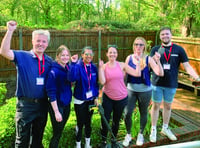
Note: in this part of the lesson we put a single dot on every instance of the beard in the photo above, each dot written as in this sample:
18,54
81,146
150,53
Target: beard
166,42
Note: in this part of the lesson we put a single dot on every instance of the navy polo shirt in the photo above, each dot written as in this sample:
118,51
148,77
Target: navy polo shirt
27,71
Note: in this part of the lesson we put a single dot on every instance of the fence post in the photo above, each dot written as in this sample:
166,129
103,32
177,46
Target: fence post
20,39
99,45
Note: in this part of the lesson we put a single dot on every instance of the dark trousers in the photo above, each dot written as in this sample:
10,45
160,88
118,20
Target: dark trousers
116,108
31,120
58,126
83,117
143,99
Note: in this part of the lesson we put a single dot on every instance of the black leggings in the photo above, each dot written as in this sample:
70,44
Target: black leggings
83,117
116,108
143,99
58,126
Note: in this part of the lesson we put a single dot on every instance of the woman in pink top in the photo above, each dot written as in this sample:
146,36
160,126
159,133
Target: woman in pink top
111,76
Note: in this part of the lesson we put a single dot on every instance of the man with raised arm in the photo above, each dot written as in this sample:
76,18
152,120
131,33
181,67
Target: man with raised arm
32,69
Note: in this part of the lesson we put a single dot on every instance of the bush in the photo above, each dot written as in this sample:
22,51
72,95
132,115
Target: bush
7,127
3,91
7,123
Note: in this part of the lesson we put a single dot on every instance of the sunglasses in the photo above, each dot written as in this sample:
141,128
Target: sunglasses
89,54
114,46
138,44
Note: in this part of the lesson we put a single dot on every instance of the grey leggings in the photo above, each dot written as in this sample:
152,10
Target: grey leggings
143,99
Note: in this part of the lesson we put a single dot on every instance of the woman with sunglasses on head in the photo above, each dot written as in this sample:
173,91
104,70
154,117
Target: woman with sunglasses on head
59,91
139,88
111,76
86,93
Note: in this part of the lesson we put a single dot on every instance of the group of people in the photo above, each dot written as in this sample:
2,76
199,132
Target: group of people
45,85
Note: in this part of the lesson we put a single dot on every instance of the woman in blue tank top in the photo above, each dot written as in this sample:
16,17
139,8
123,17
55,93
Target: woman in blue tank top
139,88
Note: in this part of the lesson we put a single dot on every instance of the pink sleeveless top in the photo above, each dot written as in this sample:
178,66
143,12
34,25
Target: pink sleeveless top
114,87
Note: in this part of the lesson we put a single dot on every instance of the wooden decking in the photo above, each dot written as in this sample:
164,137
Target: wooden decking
186,114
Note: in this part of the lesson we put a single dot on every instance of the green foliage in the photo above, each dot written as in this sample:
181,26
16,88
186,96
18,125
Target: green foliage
3,91
92,24
7,124
7,127
109,15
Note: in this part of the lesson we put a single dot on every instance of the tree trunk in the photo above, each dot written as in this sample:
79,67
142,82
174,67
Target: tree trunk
186,27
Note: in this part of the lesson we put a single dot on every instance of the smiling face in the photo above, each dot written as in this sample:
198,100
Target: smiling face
165,36
112,54
87,56
40,43
138,46
63,57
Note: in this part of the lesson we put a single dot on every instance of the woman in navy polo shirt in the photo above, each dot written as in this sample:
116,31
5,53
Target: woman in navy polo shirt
86,92
59,92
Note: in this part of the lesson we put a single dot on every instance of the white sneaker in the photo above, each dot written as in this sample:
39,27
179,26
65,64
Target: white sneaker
127,140
88,146
78,145
140,139
167,132
152,136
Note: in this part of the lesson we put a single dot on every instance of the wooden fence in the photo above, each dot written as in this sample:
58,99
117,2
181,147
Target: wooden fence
192,48
75,41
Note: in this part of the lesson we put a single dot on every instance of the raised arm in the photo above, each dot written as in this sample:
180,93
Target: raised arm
155,64
72,74
5,50
134,72
102,78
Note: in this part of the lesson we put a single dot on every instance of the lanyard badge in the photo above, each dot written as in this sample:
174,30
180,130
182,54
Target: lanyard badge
40,80
167,66
89,93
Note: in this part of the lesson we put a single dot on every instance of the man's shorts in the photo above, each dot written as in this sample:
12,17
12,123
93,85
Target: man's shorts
166,93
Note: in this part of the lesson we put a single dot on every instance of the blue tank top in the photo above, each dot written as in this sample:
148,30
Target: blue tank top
145,74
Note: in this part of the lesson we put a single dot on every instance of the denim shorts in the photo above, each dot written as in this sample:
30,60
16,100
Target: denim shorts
166,93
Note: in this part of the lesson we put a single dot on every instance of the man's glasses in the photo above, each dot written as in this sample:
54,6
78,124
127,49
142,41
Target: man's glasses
138,44
89,54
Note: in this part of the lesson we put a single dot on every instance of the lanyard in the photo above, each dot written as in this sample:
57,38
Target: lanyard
170,50
43,61
88,77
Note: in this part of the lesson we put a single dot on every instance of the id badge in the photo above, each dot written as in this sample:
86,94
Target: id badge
39,81
89,94
166,66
